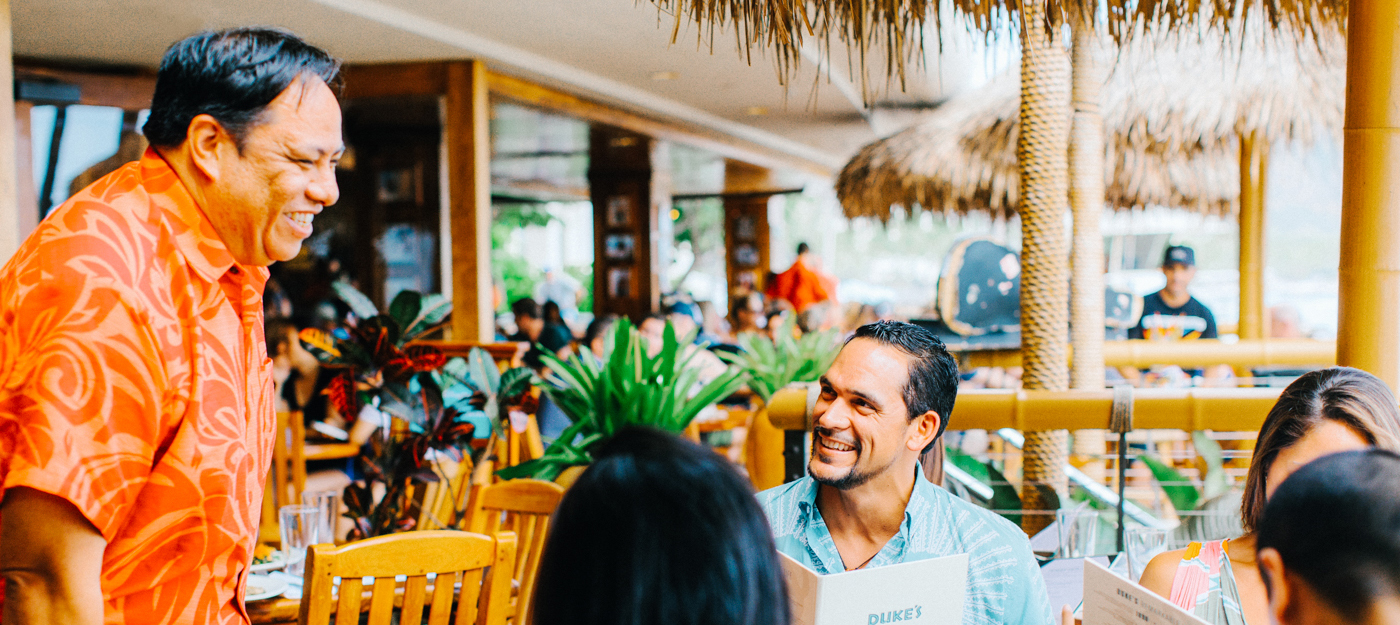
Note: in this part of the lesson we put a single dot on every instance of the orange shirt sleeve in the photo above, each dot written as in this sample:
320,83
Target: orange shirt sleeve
83,386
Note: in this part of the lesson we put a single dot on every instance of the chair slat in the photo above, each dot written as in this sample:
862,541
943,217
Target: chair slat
441,611
469,600
347,609
381,602
414,593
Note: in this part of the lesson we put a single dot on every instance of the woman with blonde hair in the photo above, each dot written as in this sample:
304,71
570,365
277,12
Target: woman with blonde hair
1320,413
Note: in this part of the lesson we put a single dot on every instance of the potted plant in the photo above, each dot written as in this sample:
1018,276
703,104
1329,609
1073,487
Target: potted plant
418,402
770,366
631,388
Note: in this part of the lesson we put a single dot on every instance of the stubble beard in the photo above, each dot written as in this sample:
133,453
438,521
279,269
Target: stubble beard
854,477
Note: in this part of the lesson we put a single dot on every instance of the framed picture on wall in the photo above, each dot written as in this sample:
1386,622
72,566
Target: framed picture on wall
619,247
746,256
620,283
745,228
619,211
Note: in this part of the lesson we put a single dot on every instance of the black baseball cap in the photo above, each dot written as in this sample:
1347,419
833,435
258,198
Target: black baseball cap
1179,255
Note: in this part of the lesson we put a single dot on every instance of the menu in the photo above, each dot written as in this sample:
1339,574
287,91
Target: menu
1113,600
925,592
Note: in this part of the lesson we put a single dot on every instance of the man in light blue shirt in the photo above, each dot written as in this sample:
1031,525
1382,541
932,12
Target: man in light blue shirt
865,502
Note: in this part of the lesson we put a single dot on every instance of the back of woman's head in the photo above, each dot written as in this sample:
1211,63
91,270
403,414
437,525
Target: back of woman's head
660,530
1347,396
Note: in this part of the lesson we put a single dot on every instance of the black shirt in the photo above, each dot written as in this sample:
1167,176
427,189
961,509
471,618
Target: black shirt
1191,320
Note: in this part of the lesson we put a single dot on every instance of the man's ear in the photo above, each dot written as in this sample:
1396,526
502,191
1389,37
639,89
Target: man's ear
1275,582
207,141
925,429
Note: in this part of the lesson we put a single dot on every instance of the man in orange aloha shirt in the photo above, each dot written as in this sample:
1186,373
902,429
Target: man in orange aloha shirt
801,285
136,413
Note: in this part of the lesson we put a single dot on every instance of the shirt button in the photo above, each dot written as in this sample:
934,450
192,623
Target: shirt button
233,270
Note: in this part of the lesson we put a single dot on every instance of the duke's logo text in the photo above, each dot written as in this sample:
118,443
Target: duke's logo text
897,616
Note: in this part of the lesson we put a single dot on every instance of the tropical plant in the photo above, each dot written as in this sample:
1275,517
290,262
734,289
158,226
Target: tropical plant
772,365
1184,495
423,412
631,389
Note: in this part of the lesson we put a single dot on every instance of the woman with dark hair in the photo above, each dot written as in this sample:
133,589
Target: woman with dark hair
660,530
1322,412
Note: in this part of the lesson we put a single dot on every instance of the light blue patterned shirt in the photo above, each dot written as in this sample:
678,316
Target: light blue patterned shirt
1004,584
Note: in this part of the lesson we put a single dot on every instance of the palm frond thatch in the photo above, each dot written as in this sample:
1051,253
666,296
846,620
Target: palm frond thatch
1171,114
893,30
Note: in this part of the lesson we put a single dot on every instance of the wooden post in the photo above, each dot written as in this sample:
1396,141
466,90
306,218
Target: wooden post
1086,199
14,225
629,202
468,137
1368,310
746,236
1042,155
1254,167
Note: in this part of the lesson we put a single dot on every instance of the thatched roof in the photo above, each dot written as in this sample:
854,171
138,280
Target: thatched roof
1171,118
892,31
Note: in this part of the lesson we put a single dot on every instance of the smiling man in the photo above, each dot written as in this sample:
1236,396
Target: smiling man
865,502
136,414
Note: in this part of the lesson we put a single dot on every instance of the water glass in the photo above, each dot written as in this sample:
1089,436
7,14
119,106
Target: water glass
328,502
1143,544
1079,532
299,525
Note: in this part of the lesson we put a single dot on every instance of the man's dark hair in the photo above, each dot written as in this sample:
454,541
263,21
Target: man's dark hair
526,307
933,378
1336,525
660,530
231,75
803,248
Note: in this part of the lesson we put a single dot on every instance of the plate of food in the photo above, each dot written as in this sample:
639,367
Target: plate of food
268,562
263,587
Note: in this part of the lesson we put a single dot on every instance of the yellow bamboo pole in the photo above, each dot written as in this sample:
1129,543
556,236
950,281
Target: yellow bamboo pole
1042,154
1368,310
1201,353
1254,165
1086,200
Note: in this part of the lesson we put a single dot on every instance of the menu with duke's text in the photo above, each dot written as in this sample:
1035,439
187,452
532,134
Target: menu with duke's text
923,592
1113,600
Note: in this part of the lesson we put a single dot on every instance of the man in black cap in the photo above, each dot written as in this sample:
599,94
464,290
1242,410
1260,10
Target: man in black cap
1171,313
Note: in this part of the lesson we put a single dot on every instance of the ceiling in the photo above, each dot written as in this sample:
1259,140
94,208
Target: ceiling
616,51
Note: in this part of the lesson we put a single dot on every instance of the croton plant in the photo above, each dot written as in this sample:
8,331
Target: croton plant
426,404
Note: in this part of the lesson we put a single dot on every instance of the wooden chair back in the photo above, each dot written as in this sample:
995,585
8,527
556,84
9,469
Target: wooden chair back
522,507
442,499
286,478
484,597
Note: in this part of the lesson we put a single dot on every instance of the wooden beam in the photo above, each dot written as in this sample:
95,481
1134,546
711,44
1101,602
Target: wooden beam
747,247
468,153
538,96
396,79
126,89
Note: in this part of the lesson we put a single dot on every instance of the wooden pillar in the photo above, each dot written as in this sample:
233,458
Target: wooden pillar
1368,311
631,199
467,131
746,237
14,224
1254,169
1041,152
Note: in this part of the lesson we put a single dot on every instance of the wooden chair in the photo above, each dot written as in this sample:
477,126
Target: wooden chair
286,478
522,507
442,499
413,554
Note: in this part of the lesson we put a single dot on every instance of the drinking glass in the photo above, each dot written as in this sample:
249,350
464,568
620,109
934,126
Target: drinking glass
1143,543
299,525
1079,532
328,502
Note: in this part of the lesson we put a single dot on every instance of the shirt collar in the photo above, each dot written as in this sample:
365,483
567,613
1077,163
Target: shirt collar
812,528
194,234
